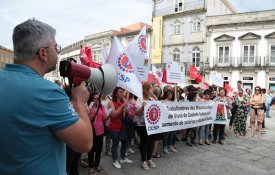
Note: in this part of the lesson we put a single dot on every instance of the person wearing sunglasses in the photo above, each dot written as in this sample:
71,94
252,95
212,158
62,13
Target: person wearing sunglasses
257,111
239,121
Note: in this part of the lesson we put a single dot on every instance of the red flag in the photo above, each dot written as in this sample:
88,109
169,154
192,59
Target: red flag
164,78
153,79
229,91
86,56
194,74
204,85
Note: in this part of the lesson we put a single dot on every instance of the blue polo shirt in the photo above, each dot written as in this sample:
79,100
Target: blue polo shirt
32,109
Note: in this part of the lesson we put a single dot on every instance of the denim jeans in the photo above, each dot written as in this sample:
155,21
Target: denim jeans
124,145
168,138
267,109
206,131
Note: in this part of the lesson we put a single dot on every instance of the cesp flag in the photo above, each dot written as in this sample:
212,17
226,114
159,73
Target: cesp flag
138,55
157,72
127,78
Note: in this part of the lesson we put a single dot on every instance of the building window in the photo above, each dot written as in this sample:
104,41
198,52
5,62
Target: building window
196,25
196,57
272,53
177,27
224,54
96,56
249,53
178,5
176,55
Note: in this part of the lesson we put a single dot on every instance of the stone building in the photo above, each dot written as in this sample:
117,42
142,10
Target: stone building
241,46
6,56
179,30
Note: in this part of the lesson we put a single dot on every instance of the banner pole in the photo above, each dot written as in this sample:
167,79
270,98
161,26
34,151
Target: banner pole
175,92
127,101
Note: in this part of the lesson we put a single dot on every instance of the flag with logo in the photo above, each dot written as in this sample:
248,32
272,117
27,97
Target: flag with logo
127,78
153,79
137,50
157,72
194,74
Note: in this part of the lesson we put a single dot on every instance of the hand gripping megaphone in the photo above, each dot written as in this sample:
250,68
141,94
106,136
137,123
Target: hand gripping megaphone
105,77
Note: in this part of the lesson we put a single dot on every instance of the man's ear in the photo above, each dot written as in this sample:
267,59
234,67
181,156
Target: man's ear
43,55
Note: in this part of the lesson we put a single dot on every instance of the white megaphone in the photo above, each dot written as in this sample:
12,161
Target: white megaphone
105,77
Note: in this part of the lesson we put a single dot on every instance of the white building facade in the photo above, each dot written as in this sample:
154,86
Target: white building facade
242,47
183,33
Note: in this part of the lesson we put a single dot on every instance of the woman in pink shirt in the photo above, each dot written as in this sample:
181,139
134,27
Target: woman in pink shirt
98,127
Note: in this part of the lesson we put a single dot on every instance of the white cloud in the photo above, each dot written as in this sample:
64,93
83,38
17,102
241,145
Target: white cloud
73,19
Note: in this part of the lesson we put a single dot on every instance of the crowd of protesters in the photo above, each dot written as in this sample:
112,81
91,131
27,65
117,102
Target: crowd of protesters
38,118
120,120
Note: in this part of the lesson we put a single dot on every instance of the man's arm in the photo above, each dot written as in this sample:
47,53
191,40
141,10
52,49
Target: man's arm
79,136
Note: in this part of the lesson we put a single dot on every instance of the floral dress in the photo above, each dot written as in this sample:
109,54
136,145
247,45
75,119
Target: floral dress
239,121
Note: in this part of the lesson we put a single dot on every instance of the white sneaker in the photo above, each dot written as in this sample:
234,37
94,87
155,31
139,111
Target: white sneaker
144,166
131,150
152,164
165,150
173,149
126,160
116,164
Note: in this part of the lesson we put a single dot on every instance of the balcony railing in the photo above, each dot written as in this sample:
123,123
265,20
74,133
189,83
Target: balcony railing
218,63
189,6
244,62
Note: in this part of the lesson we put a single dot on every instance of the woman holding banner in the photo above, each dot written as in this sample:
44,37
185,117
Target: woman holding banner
169,139
206,94
239,121
146,141
219,127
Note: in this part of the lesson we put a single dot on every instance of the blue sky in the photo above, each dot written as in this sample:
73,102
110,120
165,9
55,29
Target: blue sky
74,19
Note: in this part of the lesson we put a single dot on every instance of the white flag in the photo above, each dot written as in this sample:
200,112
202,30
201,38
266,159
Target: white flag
127,77
157,72
104,55
138,55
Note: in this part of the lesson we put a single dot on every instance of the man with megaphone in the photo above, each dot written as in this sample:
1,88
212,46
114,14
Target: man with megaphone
37,117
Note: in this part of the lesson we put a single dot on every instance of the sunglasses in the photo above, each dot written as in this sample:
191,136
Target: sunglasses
257,89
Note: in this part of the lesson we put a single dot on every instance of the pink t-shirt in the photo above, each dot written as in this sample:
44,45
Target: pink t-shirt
98,123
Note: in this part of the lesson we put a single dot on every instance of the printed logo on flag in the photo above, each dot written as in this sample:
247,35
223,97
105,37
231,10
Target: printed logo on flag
142,43
124,64
153,114
159,74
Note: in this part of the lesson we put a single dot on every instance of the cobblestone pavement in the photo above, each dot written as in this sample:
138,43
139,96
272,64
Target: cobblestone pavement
238,155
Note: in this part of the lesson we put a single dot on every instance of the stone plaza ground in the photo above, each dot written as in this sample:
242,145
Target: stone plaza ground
238,155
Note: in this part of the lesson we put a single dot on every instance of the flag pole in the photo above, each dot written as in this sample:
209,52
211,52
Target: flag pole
175,92
127,101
